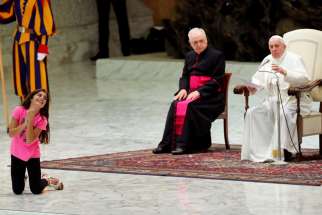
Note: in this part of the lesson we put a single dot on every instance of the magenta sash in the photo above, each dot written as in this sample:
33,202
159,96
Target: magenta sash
198,81
181,108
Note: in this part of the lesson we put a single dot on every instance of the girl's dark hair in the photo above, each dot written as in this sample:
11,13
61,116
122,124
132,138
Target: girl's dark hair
44,112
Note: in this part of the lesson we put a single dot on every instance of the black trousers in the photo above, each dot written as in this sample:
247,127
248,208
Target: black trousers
18,169
103,8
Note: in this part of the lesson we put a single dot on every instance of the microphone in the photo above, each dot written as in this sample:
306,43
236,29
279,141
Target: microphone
267,71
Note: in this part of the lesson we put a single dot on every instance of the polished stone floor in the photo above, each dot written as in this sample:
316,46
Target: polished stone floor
91,115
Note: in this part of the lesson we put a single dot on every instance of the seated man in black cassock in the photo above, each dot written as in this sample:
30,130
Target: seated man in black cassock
199,100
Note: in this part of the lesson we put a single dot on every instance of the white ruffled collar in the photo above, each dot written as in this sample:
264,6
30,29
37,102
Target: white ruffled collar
278,61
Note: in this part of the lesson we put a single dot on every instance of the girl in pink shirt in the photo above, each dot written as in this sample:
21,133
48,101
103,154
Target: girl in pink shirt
28,128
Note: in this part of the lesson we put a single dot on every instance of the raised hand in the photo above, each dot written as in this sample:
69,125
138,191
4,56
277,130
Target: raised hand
279,69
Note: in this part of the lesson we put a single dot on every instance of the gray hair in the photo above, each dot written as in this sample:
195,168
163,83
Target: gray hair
277,37
194,31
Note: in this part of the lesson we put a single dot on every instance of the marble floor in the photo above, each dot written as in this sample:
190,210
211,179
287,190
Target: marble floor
92,115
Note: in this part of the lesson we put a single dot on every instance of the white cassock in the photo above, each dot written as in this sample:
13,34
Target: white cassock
260,124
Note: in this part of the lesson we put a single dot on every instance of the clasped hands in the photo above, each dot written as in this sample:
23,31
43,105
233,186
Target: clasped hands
182,94
31,112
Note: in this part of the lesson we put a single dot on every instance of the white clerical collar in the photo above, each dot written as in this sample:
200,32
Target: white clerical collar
278,61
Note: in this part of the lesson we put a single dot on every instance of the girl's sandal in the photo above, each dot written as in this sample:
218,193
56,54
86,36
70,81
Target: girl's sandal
58,186
54,182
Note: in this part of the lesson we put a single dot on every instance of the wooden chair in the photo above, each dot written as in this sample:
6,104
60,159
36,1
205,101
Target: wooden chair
224,115
308,44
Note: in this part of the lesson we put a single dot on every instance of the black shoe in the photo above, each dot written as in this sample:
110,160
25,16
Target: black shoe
288,156
160,150
126,53
178,151
99,55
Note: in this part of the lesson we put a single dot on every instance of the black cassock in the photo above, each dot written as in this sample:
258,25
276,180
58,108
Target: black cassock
200,113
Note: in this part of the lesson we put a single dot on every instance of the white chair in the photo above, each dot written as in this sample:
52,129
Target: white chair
308,44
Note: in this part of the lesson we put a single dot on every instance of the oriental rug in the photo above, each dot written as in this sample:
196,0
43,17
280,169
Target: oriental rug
217,163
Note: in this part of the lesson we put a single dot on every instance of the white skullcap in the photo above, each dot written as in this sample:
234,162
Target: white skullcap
277,37
195,31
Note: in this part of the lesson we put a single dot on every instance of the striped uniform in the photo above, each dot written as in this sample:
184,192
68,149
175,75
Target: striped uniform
35,24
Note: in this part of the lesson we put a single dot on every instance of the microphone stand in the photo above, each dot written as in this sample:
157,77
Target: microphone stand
279,160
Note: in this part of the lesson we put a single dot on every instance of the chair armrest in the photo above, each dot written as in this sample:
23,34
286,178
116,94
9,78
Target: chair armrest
292,91
241,89
296,91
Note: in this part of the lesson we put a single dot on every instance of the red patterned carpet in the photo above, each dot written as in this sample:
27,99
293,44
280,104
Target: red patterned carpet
217,163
